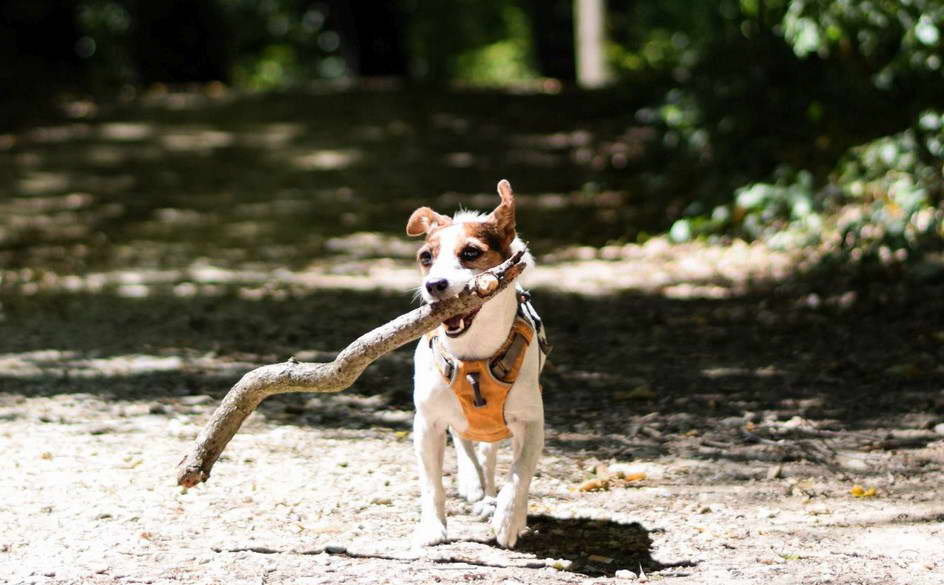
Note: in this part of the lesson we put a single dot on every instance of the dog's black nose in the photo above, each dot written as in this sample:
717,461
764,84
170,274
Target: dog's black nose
437,286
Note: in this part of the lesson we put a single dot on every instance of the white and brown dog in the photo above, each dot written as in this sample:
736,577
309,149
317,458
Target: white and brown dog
477,374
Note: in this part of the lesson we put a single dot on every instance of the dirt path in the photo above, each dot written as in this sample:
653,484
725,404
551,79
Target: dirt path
752,417
151,254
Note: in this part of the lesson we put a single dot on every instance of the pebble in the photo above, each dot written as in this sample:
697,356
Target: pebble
818,510
335,549
625,574
764,513
939,428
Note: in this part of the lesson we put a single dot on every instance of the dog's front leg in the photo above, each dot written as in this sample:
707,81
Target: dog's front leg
429,440
511,511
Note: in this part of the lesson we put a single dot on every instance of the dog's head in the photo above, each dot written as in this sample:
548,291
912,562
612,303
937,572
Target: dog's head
457,248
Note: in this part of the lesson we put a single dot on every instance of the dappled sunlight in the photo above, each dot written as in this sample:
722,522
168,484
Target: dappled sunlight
460,159
325,160
33,205
73,364
677,271
126,131
554,140
372,245
195,139
374,261
271,181
39,182
58,218
106,155
275,135
724,372
59,134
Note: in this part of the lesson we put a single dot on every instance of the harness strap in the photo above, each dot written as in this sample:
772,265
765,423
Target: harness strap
526,310
504,365
482,386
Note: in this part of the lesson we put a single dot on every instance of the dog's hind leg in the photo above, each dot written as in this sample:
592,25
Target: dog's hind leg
429,440
511,510
487,454
471,479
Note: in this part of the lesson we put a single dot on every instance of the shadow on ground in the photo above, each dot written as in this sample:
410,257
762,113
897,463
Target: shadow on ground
597,548
631,377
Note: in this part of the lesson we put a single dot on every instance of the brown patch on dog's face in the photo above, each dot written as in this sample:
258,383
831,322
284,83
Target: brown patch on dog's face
482,246
428,253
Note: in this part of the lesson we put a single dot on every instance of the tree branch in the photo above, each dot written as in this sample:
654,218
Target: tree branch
293,376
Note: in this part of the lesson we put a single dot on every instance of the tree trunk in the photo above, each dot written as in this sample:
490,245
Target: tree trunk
180,41
552,31
590,34
372,35
292,376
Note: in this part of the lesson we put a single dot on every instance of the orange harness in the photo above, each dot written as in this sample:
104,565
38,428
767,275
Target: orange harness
482,385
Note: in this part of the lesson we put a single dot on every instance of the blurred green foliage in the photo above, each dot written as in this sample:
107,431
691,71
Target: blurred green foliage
482,43
806,122
889,39
801,122
281,43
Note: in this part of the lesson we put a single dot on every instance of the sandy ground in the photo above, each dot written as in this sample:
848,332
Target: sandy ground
89,498
746,431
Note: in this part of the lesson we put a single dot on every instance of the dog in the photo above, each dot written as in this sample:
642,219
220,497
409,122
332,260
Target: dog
477,375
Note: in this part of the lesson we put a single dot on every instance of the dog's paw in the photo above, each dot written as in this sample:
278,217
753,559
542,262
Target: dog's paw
484,508
468,483
429,533
506,523
470,490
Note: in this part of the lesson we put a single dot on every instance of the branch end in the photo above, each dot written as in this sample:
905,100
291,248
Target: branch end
189,476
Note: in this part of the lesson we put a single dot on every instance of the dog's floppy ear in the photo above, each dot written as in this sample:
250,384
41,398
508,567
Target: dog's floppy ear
504,214
425,220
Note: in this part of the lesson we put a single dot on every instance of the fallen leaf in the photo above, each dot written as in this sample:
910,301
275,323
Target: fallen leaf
594,485
818,510
634,477
858,491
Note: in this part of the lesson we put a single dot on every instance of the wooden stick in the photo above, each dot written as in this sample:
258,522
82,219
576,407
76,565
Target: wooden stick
294,376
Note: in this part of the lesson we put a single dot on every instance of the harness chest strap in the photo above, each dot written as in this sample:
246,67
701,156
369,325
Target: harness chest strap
482,386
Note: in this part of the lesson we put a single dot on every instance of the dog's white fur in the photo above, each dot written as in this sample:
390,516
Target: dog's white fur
438,409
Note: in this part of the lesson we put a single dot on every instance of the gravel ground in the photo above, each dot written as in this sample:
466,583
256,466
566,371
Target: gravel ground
743,431
732,407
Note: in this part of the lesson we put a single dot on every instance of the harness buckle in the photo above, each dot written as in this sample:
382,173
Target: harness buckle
478,401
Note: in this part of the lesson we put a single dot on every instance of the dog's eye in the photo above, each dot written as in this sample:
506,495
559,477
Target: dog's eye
470,253
426,258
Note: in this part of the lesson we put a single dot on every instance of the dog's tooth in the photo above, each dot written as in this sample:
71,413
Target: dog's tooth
461,324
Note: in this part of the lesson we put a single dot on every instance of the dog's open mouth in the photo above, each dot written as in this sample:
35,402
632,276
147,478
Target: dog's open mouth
456,326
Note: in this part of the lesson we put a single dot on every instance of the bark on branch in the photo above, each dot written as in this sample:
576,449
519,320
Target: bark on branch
293,376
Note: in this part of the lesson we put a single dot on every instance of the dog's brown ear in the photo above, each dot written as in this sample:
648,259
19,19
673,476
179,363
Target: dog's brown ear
504,214
425,220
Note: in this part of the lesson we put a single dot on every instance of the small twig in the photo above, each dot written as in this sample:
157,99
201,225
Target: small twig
344,552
